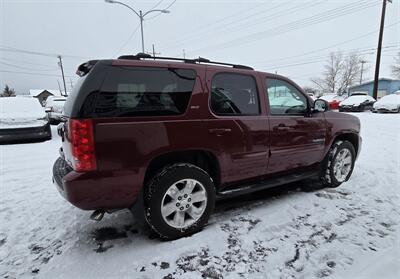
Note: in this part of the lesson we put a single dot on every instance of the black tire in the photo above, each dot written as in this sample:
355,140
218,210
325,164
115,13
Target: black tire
157,188
327,177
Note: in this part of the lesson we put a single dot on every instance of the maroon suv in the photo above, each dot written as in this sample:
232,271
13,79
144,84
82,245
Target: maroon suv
171,137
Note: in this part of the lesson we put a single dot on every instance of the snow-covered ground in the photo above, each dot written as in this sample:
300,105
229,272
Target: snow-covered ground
349,232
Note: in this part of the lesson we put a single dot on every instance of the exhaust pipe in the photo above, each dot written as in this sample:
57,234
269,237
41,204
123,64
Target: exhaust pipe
97,215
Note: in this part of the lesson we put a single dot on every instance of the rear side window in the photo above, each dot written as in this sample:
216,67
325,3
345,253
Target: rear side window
234,94
141,91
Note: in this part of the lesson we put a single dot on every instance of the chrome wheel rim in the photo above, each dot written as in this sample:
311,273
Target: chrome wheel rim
184,203
342,165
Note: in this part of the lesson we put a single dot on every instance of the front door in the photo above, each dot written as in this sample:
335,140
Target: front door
297,137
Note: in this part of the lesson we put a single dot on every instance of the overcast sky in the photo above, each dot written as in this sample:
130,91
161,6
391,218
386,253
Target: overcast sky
290,37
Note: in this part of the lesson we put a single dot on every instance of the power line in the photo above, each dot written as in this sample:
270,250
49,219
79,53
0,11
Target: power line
26,68
354,50
24,62
294,25
251,21
34,74
213,25
128,40
169,6
298,24
156,5
47,54
316,60
324,48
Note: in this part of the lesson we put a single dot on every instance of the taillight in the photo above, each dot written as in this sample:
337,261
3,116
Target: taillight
82,141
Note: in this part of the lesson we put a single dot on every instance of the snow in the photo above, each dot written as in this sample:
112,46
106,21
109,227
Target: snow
19,112
356,100
345,232
391,101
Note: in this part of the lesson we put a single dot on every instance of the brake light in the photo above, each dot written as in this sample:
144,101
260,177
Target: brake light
82,141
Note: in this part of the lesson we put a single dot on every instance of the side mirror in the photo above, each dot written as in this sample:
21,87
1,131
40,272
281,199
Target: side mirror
320,105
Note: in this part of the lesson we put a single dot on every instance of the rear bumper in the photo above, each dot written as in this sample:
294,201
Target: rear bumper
13,135
95,190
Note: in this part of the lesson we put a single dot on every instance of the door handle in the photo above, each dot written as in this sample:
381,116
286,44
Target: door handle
281,127
219,131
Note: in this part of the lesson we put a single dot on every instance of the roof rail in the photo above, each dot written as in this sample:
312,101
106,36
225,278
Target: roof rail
199,60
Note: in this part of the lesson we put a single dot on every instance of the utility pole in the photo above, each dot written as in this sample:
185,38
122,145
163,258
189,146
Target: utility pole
71,84
153,53
184,53
378,53
362,69
62,72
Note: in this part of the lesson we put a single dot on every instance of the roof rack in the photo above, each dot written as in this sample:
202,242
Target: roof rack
199,60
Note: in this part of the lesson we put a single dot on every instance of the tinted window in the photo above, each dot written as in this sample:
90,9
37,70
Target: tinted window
134,91
234,94
284,98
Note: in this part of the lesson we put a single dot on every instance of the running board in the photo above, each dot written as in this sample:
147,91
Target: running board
265,184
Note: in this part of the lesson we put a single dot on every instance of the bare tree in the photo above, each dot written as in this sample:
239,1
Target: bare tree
340,72
351,70
7,92
396,66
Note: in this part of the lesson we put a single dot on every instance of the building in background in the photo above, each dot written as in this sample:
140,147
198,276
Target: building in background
42,94
386,86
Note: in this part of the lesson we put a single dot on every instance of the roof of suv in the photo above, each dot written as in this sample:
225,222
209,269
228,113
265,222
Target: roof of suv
148,60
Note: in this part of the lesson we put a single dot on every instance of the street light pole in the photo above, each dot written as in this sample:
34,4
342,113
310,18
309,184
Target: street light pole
141,15
141,29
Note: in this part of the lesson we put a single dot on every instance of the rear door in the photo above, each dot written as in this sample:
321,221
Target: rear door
297,136
236,127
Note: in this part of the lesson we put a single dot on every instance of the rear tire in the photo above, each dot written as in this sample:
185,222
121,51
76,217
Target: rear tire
179,200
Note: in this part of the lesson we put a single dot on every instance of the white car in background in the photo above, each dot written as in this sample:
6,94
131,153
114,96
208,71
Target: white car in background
54,107
388,103
357,102
23,119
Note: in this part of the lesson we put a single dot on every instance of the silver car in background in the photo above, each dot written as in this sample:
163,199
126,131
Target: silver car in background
54,106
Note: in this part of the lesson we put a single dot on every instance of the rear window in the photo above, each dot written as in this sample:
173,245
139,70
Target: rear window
141,91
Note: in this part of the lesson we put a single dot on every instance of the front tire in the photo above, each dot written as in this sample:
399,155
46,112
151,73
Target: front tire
179,200
339,164
336,168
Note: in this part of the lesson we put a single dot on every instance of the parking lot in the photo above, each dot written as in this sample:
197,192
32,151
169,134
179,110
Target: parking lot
279,233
